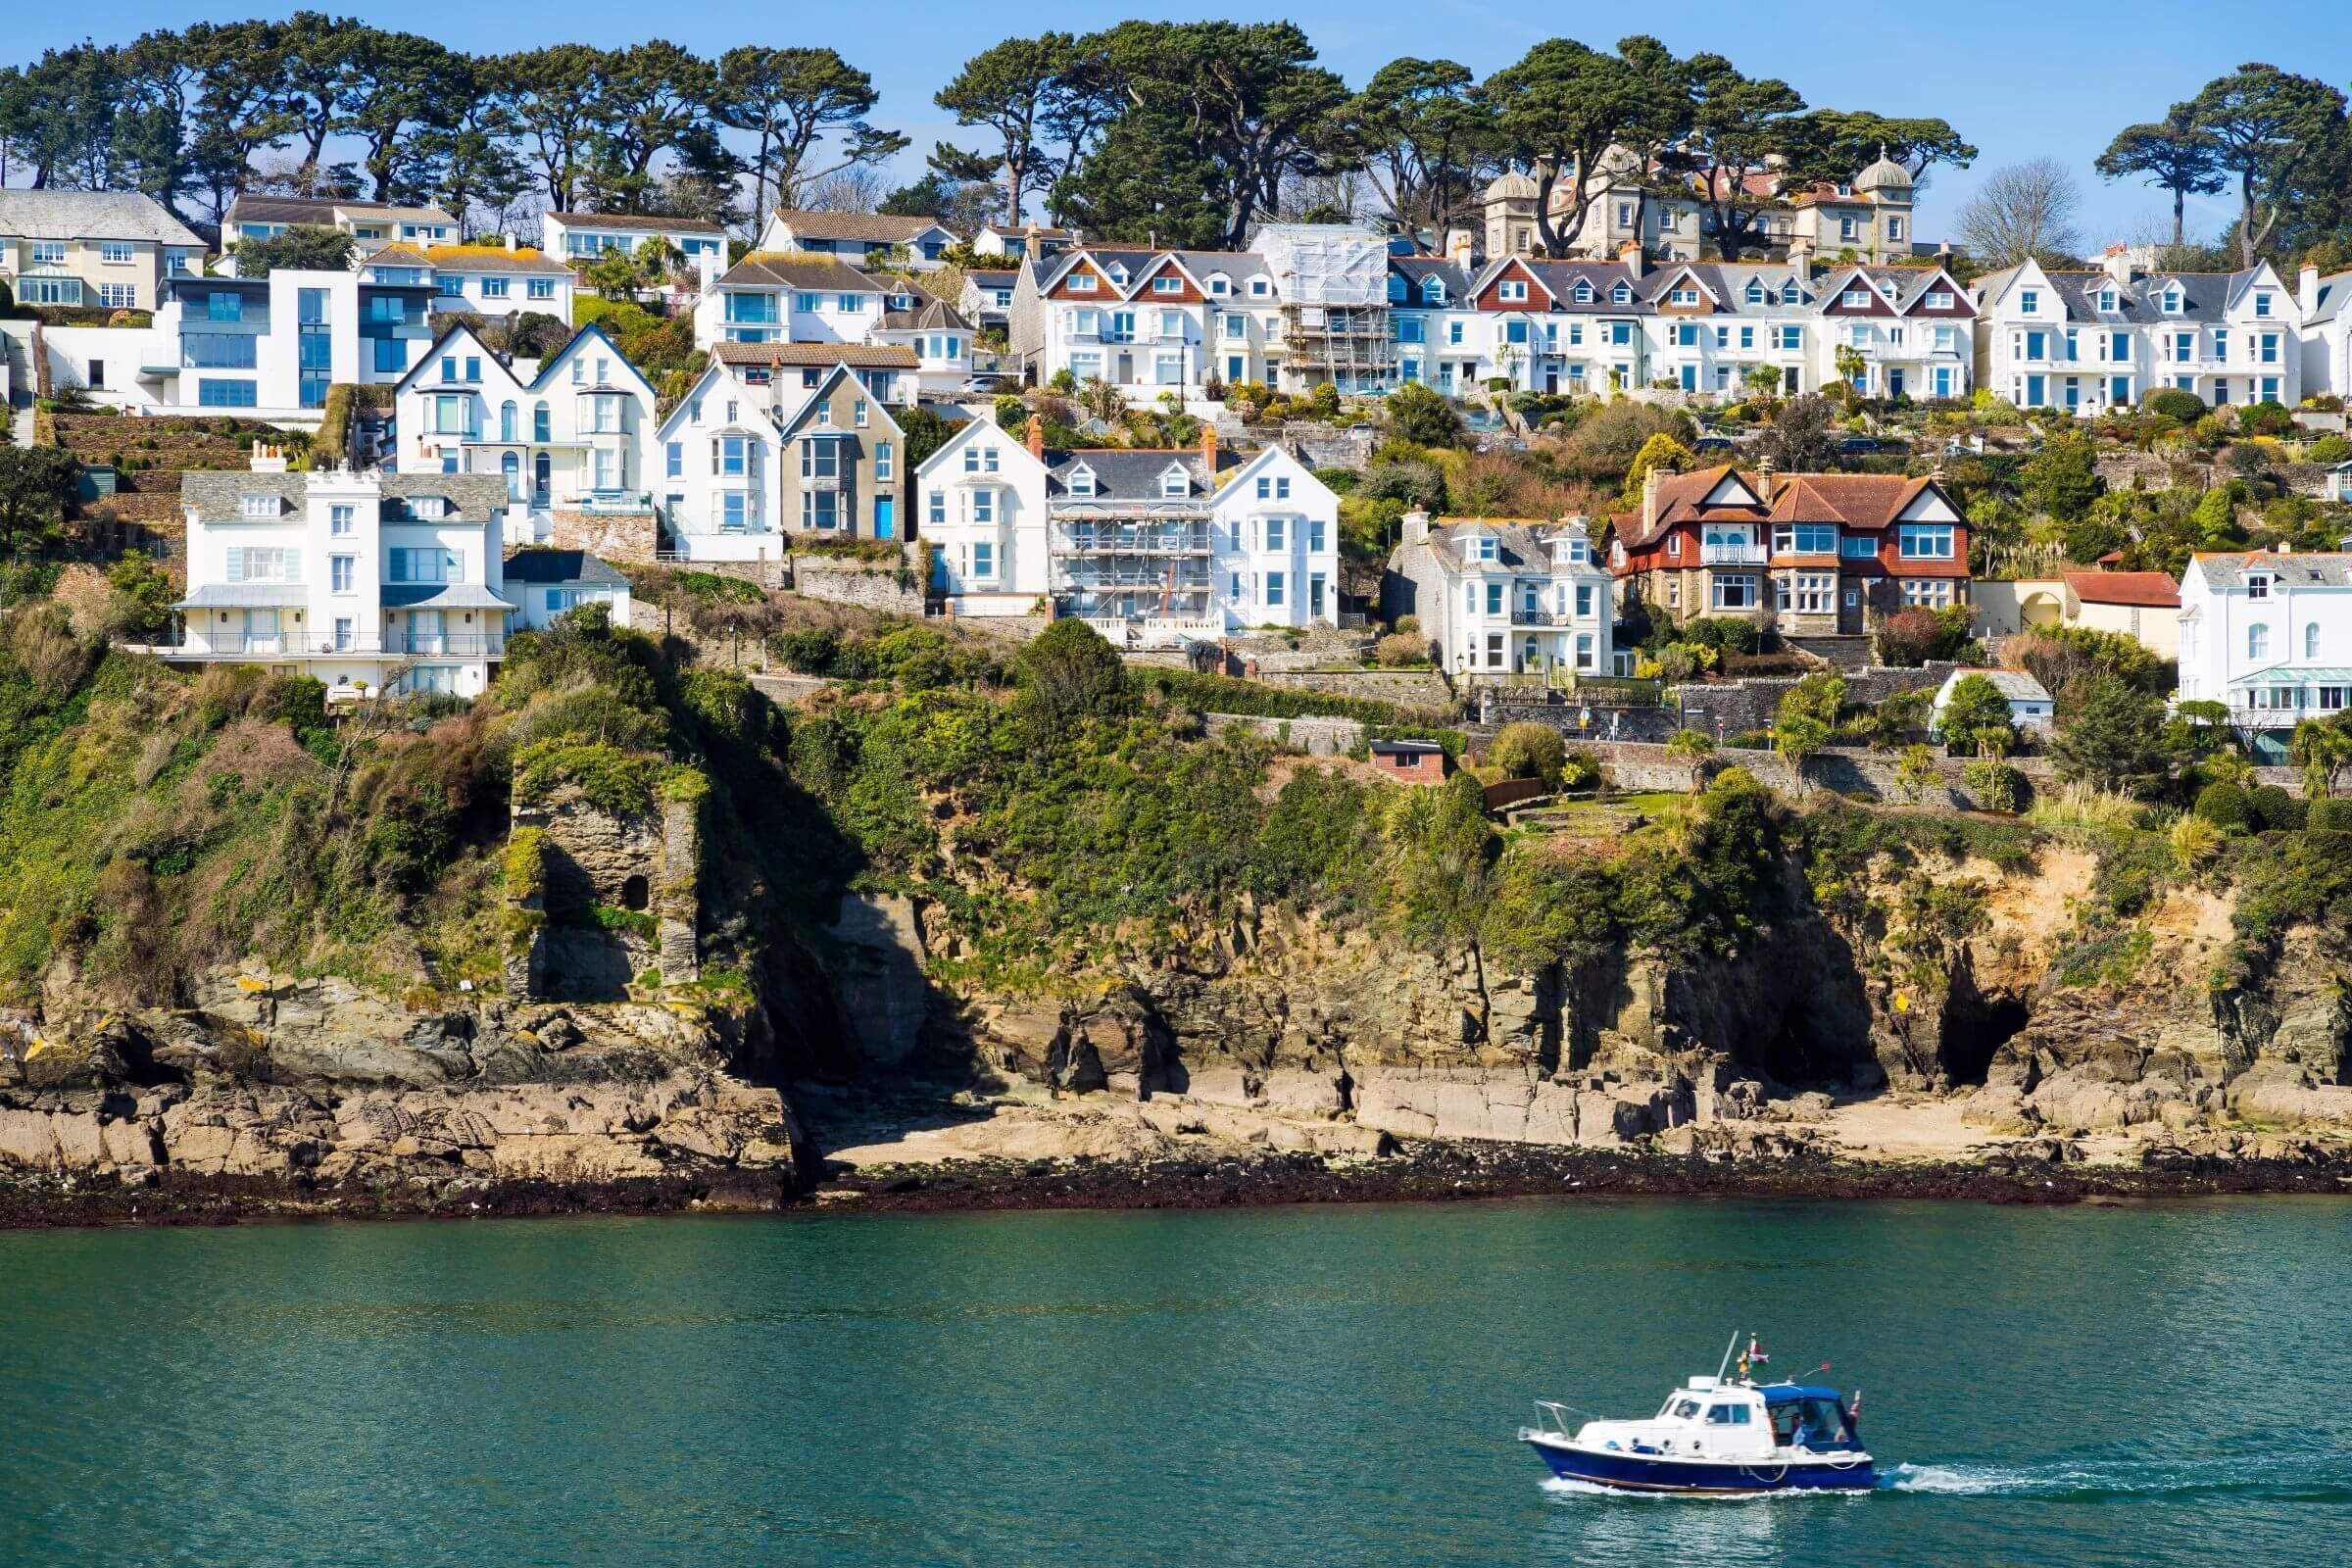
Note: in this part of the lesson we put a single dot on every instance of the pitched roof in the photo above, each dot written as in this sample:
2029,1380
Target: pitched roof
785,269
870,227
217,497
1682,498
559,565
933,315
2013,684
1127,474
2151,590
2314,569
92,214
490,259
856,355
1520,543
1850,500
638,221
323,209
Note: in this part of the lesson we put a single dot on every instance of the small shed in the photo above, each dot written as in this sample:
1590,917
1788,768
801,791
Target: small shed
1410,761
2031,707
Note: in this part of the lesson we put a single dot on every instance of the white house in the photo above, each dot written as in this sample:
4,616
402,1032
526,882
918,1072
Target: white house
773,298
2325,307
858,237
370,581
2270,635
939,338
2092,341
2031,707
486,280
1146,321
1503,596
571,433
371,224
109,250
1149,547
585,237
1029,240
546,584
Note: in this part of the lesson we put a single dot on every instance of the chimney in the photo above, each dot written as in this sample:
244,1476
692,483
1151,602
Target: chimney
513,244
1459,244
1035,437
268,459
1650,480
1630,253
1209,452
2307,289
1764,474
1417,527
2117,263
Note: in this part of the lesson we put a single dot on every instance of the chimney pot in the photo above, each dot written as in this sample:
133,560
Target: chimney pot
1209,452
2307,289
1650,480
1035,437
513,244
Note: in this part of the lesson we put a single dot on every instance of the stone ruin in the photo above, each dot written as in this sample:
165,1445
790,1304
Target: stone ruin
613,897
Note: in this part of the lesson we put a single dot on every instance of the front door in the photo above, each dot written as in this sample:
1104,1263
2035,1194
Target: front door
424,632
886,516
1551,382
1894,382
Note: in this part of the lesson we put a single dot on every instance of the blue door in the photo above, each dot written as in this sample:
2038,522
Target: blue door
886,516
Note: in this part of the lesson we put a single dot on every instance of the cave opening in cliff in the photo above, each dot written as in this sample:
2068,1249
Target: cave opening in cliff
1976,1025
1797,1057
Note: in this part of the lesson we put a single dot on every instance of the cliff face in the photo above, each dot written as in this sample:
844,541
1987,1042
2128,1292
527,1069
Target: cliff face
1946,974
317,1087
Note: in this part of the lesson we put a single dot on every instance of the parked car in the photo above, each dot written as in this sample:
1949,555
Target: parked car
1863,446
990,386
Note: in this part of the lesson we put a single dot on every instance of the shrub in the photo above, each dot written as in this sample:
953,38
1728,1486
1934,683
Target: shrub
2175,403
2225,808
1422,417
2329,449
1528,750
2275,810
1399,650
2085,805
1997,786
2194,841
2333,814
2265,419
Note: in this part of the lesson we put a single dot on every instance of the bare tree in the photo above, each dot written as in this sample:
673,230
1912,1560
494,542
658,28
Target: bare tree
2024,210
859,188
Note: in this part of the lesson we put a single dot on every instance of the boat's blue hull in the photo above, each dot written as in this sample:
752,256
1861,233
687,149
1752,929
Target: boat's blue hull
1632,1472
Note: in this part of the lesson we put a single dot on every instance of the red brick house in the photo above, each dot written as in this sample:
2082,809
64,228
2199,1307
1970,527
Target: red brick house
1805,553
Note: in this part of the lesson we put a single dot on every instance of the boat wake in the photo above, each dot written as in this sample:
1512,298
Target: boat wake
2288,1478
1562,1487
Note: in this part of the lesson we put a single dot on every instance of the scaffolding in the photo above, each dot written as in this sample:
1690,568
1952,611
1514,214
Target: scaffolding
1332,282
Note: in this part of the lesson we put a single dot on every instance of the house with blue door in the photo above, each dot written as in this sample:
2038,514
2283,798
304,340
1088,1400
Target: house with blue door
747,464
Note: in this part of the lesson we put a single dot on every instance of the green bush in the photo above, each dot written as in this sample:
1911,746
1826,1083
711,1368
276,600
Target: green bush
2330,814
2226,808
2329,449
1997,786
2175,403
1528,750
2276,811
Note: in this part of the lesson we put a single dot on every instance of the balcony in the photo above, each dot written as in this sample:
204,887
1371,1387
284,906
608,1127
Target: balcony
1525,615
444,645
608,502
1731,555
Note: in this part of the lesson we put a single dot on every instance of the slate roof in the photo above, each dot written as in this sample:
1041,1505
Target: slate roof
442,595
323,211
2013,684
856,355
92,214
1521,544
1132,475
2205,297
638,222
217,497
822,273
873,228
935,317
561,565
2334,290
2301,569
2147,590
1415,269
245,595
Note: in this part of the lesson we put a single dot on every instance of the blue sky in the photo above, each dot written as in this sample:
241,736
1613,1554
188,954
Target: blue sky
2019,81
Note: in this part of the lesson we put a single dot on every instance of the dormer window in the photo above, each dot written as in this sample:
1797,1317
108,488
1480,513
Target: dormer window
2172,302
1622,295
1482,548
1219,284
1175,485
1511,291
1118,275
1755,291
2107,299
432,508
1082,480
1584,292
1788,293
1432,291
1258,288
2258,585
257,505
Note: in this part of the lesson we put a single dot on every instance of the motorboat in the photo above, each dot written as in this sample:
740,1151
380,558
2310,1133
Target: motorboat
1724,1436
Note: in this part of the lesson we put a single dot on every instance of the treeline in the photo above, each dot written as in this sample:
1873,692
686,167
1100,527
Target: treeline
194,117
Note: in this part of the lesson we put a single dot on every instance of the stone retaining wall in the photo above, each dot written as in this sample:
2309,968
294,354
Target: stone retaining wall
1842,770
629,537
874,587
1754,703
1317,737
1407,688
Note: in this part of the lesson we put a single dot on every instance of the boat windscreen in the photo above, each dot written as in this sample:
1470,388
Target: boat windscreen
1812,1422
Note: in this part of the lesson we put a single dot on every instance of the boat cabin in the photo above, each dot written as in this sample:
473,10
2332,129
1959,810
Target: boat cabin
1718,1419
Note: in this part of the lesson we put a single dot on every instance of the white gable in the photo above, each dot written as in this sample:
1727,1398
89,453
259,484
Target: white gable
1928,505
1733,491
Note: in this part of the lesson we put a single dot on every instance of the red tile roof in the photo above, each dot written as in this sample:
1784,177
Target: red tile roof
2147,590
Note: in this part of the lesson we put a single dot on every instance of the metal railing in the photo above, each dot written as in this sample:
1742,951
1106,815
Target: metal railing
1732,555
609,500
446,645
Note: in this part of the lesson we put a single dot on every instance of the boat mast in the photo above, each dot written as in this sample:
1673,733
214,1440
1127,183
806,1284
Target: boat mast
1725,1364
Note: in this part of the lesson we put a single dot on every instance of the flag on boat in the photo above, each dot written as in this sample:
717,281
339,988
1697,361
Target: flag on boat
1755,1351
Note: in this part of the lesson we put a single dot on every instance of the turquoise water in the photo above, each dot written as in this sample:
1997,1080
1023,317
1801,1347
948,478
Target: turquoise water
2149,1384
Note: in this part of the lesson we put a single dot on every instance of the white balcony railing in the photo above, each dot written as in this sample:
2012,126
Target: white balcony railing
1731,555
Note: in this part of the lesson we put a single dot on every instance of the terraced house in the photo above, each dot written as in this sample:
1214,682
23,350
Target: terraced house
2269,633
570,434
1147,321
746,466
103,250
777,297
1805,553
2090,341
585,237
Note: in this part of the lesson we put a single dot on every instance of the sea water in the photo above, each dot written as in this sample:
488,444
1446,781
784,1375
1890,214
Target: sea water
2150,1383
